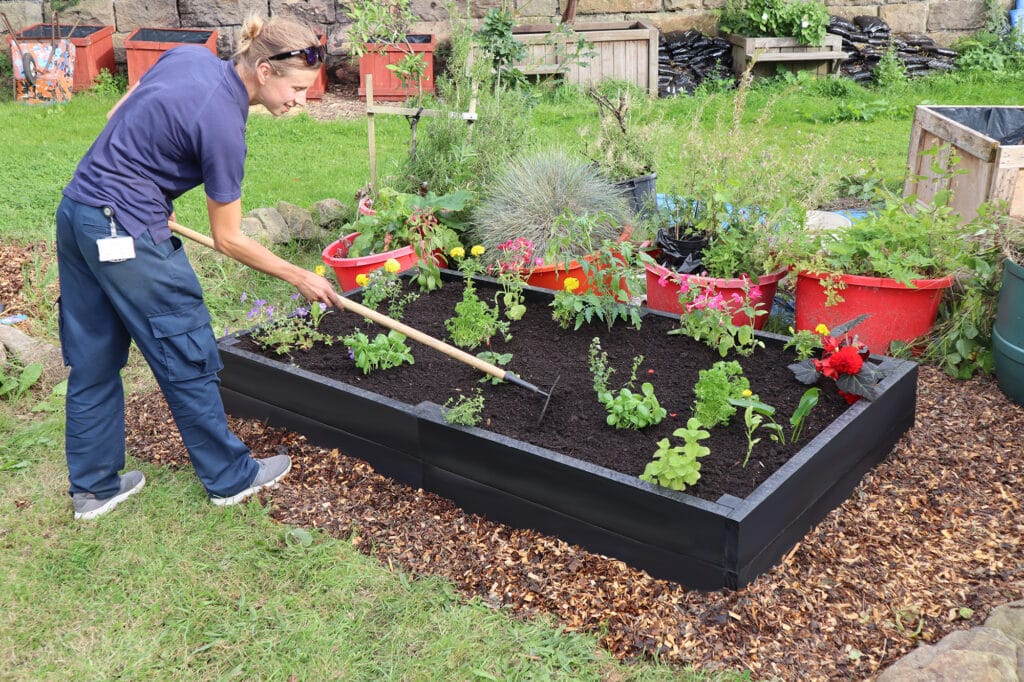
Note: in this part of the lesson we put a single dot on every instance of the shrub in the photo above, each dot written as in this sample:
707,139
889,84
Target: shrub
531,195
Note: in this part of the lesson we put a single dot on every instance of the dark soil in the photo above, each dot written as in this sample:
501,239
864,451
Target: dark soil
574,422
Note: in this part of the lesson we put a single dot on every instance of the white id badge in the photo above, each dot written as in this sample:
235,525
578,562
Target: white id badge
116,249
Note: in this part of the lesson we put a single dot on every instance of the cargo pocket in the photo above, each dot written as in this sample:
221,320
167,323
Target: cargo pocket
187,343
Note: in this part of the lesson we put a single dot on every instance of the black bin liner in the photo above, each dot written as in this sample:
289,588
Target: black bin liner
1004,125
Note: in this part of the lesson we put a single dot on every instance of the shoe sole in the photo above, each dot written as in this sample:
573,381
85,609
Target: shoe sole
249,492
110,504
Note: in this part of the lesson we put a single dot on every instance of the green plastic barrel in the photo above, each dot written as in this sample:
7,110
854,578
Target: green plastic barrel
1008,333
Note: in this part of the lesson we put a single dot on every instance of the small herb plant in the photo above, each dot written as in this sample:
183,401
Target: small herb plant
384,286
475,322
626,409
498,359
384,351
283,332
676,466
755,414
463,409
715,389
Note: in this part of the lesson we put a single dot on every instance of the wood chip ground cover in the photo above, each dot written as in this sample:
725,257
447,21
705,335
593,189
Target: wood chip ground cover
935,527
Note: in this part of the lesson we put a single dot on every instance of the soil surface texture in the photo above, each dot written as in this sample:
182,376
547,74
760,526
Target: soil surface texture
574,423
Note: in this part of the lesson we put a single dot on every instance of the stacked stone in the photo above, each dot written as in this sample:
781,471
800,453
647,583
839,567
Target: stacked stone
686,59
866,40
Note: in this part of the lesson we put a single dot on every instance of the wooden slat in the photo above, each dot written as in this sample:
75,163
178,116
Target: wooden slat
795,56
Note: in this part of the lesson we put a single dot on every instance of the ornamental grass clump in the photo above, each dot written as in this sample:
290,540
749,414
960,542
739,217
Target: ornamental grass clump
530,196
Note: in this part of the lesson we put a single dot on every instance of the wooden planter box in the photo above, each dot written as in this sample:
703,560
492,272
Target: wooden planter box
626,51
993,170
94,48
767,54
145,45
386,85
699,543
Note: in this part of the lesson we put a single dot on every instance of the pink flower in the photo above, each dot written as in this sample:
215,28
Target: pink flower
365,205
756,293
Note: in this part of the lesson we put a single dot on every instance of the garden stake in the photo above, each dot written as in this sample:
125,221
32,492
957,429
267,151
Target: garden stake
415,334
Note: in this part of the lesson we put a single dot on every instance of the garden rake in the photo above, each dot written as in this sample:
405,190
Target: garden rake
415,334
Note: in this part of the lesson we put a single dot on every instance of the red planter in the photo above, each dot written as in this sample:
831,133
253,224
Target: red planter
553,276
663,291
346,269
386,85
146,45
898,312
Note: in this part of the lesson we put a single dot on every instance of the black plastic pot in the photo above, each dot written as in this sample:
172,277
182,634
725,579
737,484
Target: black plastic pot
640,191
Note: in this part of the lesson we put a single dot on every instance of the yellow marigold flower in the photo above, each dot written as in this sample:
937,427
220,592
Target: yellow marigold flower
570,284
362,279
320,270
747,393
391,265
477,250
457,252
821,329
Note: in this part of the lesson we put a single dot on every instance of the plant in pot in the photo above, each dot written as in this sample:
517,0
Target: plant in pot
410,228
623,148
541,213
893,265
382,41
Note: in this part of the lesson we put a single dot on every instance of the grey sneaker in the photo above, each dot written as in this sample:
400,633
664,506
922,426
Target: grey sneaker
87,506
272,470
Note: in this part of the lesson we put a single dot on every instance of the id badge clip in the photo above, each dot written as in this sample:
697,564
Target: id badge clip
114,249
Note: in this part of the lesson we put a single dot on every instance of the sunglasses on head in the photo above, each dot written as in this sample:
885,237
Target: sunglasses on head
314,54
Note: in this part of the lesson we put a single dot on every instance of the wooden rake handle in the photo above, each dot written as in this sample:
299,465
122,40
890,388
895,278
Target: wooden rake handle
391,323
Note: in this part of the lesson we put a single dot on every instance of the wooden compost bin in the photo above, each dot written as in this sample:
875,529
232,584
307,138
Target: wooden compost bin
626,51
146,45
767,54
989,141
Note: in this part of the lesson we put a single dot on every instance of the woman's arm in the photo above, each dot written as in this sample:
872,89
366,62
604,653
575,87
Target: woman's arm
226,228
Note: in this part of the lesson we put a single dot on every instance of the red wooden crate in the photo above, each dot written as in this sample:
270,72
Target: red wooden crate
145,45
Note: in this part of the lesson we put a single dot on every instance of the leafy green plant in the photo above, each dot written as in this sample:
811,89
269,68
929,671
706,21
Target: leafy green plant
378,24
429,223
675,466
384,351
284,332
383,285
608,272
805,21
497,359
805,342
107,84
496,39
622,147
14,385
890,71
531,196
475,322
716,387
757,414
463,409
626,409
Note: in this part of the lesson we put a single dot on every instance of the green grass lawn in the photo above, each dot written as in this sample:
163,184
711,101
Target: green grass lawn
171,587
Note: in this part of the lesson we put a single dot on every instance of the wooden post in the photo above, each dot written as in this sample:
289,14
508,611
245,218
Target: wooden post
371,132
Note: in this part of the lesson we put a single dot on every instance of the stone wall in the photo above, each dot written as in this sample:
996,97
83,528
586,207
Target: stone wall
943,20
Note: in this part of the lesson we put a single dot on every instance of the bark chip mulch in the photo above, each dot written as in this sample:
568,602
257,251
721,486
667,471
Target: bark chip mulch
932,535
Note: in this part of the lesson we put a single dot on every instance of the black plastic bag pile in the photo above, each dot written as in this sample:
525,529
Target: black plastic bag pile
865,40
686,59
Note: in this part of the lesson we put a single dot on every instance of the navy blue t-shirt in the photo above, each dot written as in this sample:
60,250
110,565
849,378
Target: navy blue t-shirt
182,126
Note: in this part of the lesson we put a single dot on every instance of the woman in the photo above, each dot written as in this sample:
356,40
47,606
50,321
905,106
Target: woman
124,278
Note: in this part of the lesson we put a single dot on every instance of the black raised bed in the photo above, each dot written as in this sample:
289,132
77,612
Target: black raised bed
700,543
